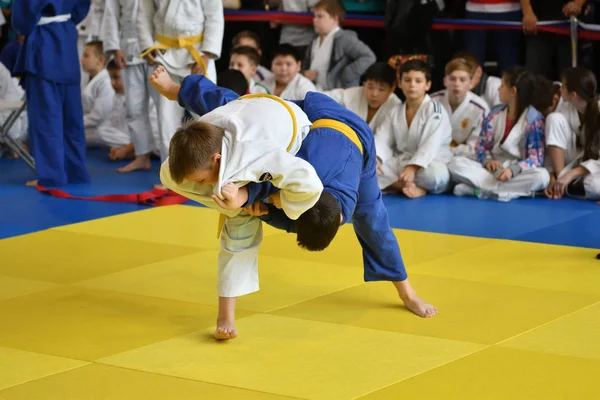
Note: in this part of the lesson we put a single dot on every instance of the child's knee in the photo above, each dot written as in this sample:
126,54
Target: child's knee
435,178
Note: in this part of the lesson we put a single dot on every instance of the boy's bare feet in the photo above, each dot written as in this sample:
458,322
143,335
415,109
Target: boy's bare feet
140,162
225,330
412,191
413,302
121,153
163,83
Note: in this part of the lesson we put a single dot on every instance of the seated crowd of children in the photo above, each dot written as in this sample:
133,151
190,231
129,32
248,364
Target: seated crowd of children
515,136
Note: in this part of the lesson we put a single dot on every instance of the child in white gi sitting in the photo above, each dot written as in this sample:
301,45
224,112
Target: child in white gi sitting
287,82
375,99
245,59
413,143
465,108
97,97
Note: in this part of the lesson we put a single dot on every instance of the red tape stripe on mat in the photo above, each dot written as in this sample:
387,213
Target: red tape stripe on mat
154,197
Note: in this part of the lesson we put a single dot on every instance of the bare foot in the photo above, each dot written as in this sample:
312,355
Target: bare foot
121,153
31,183
413,302
225,330
140,162
420,307
159,186
412,191
163,83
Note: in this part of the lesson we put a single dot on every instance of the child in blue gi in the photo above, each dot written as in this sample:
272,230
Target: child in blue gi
348,174
49,65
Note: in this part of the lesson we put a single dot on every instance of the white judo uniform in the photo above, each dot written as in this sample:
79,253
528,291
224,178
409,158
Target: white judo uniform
118,31
257,133
490,94
262,74
354,100
115,134
255,87
295,90
89,30
97,100
426,143
465,120
10,91
518,152
564,130
179,19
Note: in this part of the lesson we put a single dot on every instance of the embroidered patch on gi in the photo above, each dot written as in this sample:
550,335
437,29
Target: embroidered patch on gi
265,177
464,123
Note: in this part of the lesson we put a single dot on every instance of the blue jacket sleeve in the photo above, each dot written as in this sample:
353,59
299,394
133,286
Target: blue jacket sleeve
200,95
81,8
277,219
26,14
259,191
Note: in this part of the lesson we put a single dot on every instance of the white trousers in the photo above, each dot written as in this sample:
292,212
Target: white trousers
141,100
240,239
106,136
472,173
591,184
434,178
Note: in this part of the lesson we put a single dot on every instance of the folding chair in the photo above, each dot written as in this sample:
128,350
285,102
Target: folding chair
15,108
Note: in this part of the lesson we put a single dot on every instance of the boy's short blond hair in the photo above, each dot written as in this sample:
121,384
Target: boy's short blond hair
97,47
248,35
335,8
192,148
460,64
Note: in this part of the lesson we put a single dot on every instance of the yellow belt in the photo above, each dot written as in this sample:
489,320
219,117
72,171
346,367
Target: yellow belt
188,43
320,123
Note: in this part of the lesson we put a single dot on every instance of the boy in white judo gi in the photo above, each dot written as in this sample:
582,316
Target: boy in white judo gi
251,39
182,36
375,99
351,193
119,35
287,82
245,59
413,143
97,98
466,109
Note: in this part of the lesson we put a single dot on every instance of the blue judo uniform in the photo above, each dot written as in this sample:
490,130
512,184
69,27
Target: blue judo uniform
49,65
345,173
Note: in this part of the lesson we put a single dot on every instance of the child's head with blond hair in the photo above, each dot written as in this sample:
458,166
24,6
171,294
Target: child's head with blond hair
328,15
459,78
93,59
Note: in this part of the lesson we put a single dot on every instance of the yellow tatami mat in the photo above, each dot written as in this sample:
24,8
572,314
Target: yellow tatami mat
124,308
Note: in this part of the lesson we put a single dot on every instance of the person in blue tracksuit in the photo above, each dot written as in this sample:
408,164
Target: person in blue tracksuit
345,173
49,65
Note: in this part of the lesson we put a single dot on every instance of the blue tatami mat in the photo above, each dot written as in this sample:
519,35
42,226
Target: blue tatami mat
567,222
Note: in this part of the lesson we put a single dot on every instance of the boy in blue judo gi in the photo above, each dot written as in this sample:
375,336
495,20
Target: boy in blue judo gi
49,65
341,148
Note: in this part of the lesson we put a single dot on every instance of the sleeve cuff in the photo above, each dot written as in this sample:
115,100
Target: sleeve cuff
516,169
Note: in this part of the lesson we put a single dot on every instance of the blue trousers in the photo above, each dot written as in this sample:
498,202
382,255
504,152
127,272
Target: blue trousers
507,43
56,132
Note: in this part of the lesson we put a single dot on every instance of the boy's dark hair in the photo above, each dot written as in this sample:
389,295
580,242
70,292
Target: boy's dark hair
233,79
112,66
545,91
416,65
526,84
246,34
335,8
97,47
192,148
317,227
249,52
381,72
286,50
